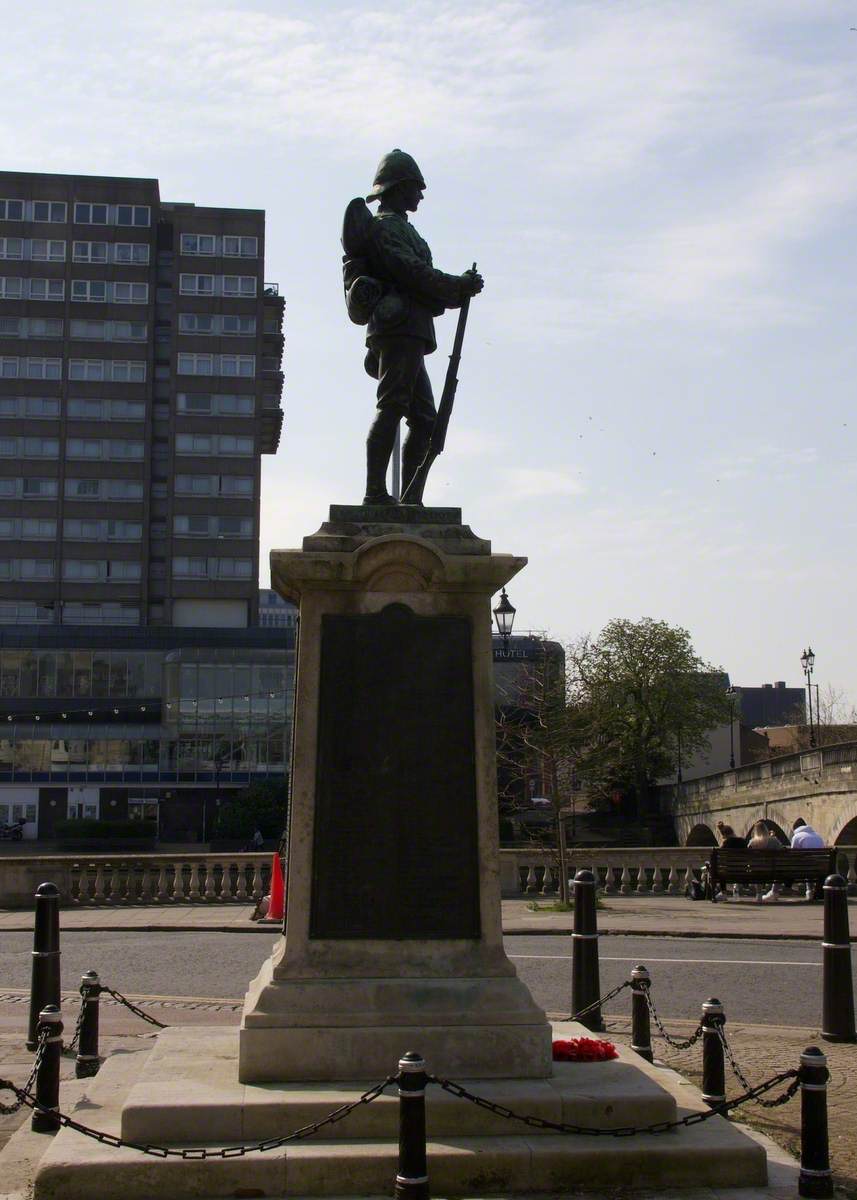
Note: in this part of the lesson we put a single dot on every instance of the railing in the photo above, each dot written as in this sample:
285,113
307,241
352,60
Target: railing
132,879
633,870
804,762
128,879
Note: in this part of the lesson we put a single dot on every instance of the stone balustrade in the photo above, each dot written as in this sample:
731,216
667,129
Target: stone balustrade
124,879
644,870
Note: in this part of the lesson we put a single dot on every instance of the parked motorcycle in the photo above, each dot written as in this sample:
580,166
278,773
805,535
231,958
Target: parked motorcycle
13,832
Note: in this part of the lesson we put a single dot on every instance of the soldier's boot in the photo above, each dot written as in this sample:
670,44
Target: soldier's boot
413,452
379,447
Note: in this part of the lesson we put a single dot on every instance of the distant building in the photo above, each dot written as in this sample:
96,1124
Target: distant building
276,612
140,383
160,725
771,704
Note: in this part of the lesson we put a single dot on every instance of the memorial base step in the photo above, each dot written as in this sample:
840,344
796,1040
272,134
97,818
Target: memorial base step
467,1159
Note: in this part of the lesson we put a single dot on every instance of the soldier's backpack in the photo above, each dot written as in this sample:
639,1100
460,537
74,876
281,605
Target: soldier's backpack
362,292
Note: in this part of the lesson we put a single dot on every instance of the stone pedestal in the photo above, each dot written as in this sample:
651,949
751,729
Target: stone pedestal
393,938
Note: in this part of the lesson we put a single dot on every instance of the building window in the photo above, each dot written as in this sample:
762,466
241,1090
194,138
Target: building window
236,485
130,293
30,368
16,288
103,489
243,365
91,252
132,214
84,569
98,448
196,285
238,364
29,447
240,247
196,485
123,570
12,247
131,252
99,614
232,326
117,371
26,568
49,210
239,285
47,289
29,406
47,250
29,528
231,568
39,489
225,405
12,327
190,568
90,214
196,323
93,291
198,243
11,210
108,331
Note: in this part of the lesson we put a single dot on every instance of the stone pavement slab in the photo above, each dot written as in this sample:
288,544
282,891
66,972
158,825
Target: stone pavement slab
638,916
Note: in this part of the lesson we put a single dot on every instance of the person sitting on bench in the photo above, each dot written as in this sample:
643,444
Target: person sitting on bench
804,837
764,839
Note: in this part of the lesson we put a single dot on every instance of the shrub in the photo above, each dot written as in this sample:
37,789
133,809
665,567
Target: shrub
262,804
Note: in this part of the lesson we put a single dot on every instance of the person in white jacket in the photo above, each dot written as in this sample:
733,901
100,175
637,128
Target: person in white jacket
804,837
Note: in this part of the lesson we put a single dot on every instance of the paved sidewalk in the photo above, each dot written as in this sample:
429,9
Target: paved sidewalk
656,916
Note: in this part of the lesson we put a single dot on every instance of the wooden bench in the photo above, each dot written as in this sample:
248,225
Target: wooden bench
765,867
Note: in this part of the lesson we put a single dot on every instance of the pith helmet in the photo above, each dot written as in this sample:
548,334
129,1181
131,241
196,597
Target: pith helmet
395,167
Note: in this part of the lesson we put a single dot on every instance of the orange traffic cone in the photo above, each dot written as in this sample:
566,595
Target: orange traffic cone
276,909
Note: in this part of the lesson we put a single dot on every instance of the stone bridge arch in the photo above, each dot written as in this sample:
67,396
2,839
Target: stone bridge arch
701,835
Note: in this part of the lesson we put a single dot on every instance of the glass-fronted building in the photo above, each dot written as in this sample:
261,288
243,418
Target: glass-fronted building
154,724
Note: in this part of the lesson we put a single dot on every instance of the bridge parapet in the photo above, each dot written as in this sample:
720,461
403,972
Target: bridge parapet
819,785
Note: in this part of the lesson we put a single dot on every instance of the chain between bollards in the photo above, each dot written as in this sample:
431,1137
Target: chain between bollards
45,978
412,1174
585,979
837,1022
713,1067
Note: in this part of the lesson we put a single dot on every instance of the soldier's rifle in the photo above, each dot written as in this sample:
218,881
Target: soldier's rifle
413,493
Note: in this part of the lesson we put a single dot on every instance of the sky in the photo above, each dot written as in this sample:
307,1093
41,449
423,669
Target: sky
656,392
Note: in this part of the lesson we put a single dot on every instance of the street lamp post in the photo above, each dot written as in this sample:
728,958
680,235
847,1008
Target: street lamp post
504,615
731,692
807,661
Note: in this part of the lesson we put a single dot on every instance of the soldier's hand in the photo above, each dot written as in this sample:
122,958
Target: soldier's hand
472,283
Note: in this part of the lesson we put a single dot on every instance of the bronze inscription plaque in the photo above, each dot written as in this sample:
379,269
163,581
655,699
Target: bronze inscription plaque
395,842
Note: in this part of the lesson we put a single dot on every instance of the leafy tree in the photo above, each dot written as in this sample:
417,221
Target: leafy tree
261,804
650,700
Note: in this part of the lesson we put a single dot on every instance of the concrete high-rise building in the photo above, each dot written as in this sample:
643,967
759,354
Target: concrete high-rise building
140,383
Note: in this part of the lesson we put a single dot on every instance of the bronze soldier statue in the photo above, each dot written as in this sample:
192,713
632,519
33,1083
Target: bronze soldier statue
393,289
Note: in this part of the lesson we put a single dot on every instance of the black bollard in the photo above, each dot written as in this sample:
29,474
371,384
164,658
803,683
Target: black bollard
87,1060
815,1178
412,1175
48,1077
585,983
641,1032
713,1069
45,979
837,1020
